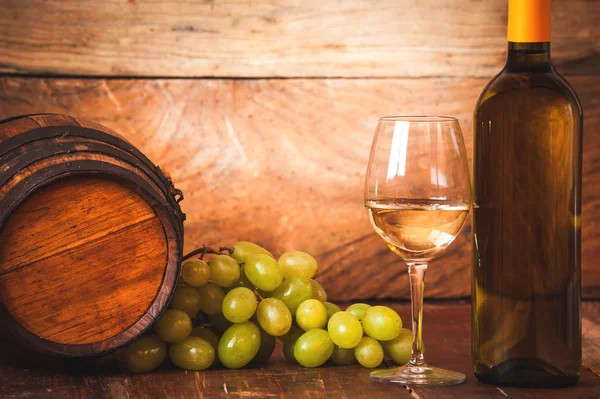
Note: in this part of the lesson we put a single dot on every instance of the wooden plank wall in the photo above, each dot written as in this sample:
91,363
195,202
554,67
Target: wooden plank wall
263,110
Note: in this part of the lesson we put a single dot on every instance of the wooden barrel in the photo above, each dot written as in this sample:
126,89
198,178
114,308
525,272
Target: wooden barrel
91,236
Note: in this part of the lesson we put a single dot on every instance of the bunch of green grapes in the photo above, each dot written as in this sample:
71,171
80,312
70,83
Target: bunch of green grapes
231,309
362,333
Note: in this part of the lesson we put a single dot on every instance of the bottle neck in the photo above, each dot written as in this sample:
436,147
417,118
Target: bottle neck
528,36
528,57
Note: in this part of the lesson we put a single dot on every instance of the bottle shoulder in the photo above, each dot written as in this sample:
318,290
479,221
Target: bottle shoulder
562,82
506,84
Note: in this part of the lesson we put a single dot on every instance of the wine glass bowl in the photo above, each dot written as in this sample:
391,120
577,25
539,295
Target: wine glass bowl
417,197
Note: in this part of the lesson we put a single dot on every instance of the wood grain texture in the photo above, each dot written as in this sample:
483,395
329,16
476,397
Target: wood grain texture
282,163
263,38
63,234
27,374
591,336
91,236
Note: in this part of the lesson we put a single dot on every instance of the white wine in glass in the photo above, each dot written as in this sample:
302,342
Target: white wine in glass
417,196
417,229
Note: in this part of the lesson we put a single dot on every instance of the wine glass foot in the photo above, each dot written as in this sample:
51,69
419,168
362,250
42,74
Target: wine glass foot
419,375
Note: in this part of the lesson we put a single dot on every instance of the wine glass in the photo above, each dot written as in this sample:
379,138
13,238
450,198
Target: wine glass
417,196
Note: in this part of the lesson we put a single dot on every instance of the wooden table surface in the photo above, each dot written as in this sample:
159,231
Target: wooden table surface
24,373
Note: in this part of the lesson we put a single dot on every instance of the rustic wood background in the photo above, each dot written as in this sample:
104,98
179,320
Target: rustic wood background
263,110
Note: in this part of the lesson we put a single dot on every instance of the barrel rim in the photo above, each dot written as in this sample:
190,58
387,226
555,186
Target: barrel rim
99,147
35,134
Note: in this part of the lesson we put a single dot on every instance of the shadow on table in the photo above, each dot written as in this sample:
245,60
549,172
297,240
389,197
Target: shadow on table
16,354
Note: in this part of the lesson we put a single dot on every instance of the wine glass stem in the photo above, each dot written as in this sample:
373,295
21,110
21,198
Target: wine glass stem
416,272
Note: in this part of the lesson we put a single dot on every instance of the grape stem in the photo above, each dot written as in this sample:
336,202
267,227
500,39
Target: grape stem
258,294
202,251
228,249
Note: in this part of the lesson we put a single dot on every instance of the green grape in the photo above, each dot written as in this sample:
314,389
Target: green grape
145,354
195,272
243,249
358,310
239,305
332,309
399,349
239,344
293,291
224,270
173,326
345,330
382,323
318,292
311,314
298,263
207,335
289,342
343,356
267,346
274,317
263,272
192,353
187,299
369,353
211,298
313,348
219,322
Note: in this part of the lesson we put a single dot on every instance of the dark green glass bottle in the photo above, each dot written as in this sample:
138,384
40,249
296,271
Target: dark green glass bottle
527,215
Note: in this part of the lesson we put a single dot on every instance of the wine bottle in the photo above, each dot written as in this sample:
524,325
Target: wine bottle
527,215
